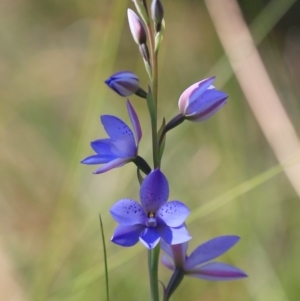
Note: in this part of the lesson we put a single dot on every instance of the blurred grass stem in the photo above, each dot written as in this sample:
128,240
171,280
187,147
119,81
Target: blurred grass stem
105,259
256,84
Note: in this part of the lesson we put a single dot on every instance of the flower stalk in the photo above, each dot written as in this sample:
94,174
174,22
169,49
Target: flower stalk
153,255
153,259
154,221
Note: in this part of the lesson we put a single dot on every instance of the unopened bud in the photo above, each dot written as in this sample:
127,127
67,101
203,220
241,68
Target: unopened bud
136,27
157,13
201,100
125,83
145,52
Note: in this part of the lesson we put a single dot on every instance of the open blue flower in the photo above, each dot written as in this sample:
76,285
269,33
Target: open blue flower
154,219
201,100
199,264
122,145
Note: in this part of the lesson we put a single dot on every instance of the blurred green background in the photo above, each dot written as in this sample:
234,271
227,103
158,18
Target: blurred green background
54,58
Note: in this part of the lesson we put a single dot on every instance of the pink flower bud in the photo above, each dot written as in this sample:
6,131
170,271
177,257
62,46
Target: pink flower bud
136,27
201,100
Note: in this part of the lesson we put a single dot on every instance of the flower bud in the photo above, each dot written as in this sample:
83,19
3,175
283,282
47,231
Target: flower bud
136,27
145,53
157,13
201,100
125,83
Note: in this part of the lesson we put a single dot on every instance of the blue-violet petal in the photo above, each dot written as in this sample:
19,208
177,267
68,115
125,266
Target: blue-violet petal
173,236
135,122
127,236
211,250
173,213
115,127
128,212
97,159
217,271
150,238
154,191
112,164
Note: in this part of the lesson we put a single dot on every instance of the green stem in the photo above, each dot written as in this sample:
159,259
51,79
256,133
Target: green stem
155,143
175,121
153,257
154,86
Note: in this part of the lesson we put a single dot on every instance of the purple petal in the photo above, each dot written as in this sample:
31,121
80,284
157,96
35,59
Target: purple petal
112,164
96,159
173,213
123,90
115,127
128,212
154,191
176,252
166,261
149,238
192,92
135,122
210,250
206,105
217,271
123,147
166,248
102,146
127,236
173,236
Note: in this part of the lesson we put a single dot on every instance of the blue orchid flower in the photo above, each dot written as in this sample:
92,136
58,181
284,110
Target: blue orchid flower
122,145
153,219
199,264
